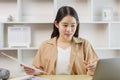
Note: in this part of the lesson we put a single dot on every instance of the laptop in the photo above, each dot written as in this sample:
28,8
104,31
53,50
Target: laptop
107,69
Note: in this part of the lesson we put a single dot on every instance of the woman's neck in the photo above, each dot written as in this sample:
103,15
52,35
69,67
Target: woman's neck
63,43
64,40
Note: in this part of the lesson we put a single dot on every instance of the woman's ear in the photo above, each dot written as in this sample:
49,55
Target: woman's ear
56,24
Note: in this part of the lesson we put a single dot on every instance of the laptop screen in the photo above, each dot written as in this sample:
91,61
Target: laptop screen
107,69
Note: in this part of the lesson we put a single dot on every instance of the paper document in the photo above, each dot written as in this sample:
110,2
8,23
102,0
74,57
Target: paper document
38,70
30,77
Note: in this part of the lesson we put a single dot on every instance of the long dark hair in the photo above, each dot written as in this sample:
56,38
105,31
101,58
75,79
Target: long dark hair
62,12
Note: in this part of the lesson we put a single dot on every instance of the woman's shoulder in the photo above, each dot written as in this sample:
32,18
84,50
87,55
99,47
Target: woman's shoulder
51,41
80,40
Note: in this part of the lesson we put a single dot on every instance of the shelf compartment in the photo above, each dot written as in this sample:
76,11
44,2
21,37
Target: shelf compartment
29,54
112,5
7,8
39,33
95,33
37,10
114,35
9,64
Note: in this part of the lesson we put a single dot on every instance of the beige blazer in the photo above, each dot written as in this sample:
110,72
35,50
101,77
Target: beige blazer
81,51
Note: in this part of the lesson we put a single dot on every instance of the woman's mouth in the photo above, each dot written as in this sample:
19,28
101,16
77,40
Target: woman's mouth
68,35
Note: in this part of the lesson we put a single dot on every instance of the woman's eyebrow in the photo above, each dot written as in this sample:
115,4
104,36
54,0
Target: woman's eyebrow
64,23
67,23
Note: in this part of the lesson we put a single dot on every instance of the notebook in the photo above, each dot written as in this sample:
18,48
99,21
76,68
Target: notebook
107,69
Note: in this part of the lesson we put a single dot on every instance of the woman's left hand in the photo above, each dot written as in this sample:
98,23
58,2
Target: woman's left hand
91,65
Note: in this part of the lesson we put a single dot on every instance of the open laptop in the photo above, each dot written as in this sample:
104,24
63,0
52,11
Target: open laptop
107,69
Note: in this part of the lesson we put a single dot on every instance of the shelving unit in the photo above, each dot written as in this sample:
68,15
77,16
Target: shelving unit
40,14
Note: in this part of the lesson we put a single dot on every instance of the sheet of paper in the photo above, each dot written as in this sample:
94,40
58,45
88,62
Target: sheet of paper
30,77
37,70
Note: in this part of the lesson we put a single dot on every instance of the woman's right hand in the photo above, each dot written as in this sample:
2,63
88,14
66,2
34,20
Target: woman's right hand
32,71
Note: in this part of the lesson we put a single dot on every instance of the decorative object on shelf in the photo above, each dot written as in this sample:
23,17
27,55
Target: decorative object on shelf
10,18
107,13
4,74
19,36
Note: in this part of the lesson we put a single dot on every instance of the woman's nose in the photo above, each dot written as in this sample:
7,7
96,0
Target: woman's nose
68,29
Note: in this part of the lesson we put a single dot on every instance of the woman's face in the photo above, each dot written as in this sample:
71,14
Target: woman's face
67,27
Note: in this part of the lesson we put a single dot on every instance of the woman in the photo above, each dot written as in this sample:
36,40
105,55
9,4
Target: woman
65,53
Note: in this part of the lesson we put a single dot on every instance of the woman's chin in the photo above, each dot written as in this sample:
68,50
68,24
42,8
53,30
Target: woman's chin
68,38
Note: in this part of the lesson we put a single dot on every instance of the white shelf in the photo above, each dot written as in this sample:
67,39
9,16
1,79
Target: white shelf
51,21
30,22
31,48
115,48
8,48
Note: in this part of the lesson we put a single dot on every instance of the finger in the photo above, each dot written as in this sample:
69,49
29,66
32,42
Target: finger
27,69
92,69
21,65
94,60
85,62
30,71
91,65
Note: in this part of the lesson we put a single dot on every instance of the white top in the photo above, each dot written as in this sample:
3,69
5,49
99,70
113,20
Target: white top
63,61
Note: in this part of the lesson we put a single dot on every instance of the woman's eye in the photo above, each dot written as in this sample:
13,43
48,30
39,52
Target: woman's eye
65,25
72,25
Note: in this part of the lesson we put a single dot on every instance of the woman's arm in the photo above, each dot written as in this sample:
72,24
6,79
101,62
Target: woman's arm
91,58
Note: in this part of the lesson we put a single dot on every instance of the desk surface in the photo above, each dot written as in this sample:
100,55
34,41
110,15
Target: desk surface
67,77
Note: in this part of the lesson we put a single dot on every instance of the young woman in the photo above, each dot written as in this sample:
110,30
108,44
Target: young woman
65,53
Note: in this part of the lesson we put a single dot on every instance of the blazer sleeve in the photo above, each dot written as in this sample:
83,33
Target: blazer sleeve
38,60
90,55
